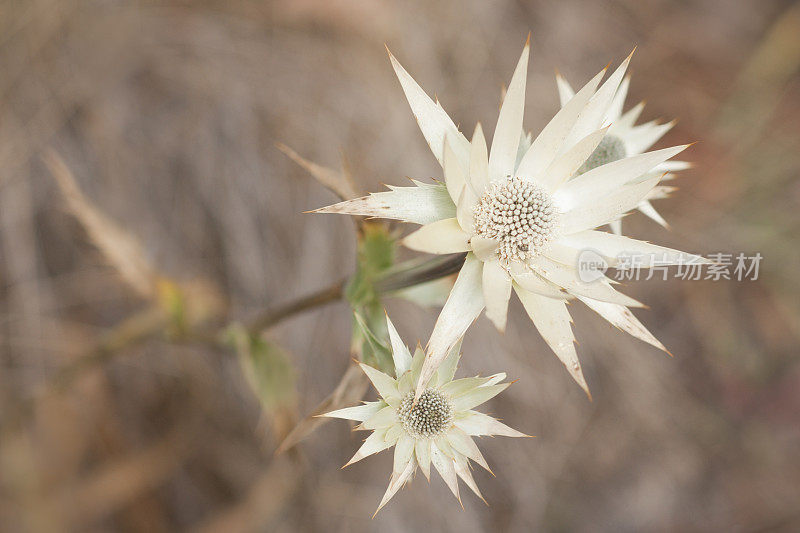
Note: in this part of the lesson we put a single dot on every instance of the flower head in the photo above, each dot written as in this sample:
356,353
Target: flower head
523,216
625,138
436,429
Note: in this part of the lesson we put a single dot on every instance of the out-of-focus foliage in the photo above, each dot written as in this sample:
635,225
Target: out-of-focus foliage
267,368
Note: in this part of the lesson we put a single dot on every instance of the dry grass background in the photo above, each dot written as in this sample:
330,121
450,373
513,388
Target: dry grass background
168,114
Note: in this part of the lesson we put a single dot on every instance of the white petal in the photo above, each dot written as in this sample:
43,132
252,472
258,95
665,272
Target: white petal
385,385
565,92
462,469
611,247
393,433
403,452
358,413
477,396
483,248
568,278
548,143
400,353
622,318
416,363
616,226
460,387
465,212
444,465
373,444
455,175
422,450
525,140
532,282
603,180
628,119
618,103
478,162
444,446
509,123
601,211
565,166
422,204
551,318
494,379
462,308
432,119
440,237
660,192
463,443
642,137
650,212
395,483
593,116
566,255
496,292
386,417
674,166
447,370
479,424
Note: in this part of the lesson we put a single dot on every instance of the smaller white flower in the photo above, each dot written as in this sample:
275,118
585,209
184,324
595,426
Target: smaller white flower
437,429
625,139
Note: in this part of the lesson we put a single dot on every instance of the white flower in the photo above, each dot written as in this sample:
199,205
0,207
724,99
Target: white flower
437,429
625,139
522,220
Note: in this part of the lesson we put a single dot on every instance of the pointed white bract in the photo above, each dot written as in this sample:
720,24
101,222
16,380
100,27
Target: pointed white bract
625,139
436,430
525,207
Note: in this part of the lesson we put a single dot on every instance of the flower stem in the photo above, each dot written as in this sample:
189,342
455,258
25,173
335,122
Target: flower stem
272,316
428,271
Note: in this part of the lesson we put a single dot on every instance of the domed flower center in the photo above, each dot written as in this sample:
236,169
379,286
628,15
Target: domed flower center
431,416
611,148
519,214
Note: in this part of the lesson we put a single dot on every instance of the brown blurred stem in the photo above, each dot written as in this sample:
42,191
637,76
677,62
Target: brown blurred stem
430,270
272,316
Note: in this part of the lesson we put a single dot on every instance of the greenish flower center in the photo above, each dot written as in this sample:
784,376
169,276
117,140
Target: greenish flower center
431,415
610,149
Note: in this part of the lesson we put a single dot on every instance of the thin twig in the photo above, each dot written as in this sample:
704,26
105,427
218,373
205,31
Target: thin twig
317,299
436,268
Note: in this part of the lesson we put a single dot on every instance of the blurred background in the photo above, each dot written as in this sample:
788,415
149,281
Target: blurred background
168,115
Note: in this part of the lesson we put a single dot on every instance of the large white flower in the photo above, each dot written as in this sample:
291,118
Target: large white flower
624,138
522,220
436,429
